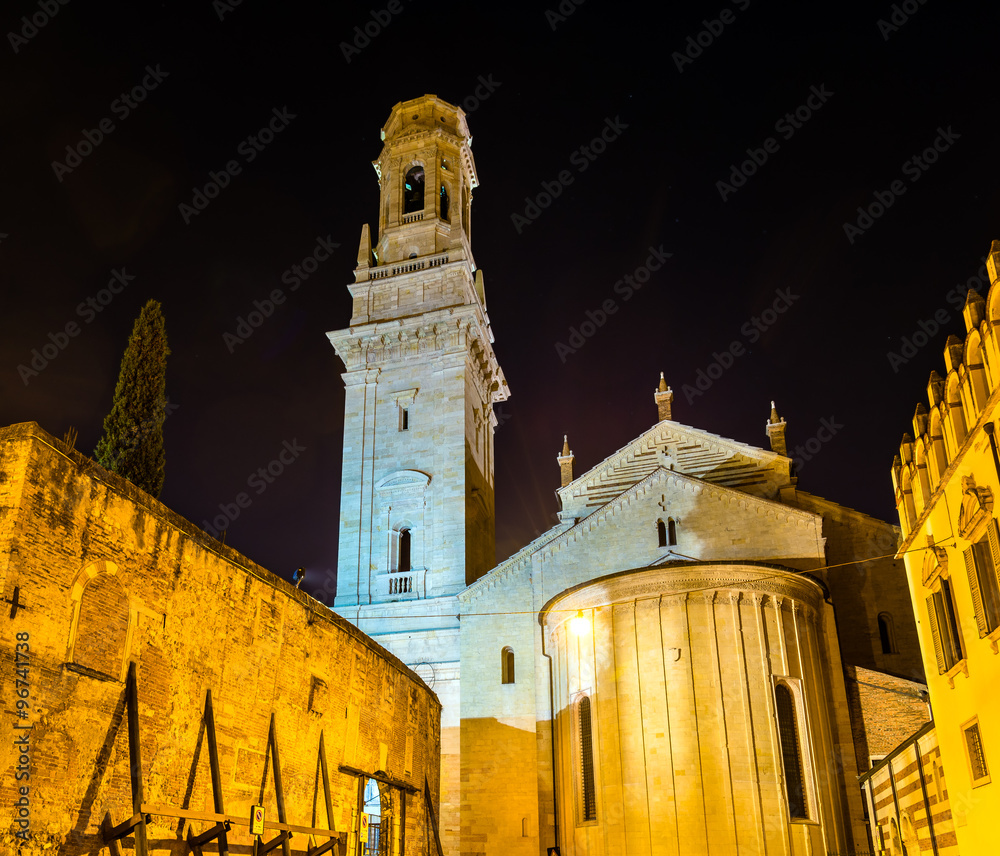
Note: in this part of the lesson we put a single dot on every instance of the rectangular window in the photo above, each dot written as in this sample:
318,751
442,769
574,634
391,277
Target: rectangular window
404,419
977,756
944,627
588,792
981,566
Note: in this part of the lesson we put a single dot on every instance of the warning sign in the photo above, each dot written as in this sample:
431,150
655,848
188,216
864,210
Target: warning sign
257,820
364,825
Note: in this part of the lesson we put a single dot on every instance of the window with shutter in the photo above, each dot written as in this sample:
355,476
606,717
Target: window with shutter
932,615
945,627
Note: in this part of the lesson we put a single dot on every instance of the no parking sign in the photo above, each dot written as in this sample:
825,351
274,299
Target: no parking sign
257,820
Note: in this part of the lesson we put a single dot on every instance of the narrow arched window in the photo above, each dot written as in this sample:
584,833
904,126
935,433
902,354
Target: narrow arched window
413,190
671,532
885,633
791,756
404,550
507,665
588,792
444,203
661,533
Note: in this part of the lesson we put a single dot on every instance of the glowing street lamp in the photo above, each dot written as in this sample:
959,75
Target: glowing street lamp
580,625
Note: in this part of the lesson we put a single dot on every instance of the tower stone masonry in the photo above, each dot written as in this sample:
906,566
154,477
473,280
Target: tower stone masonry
417,498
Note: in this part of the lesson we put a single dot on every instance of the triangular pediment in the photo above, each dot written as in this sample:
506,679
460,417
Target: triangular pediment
678,448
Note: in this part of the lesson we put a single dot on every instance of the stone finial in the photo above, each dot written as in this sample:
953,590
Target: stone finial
365,249
664,398
565,464
776,432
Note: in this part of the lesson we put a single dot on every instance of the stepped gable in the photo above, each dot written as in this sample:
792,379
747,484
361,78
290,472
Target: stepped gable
689,451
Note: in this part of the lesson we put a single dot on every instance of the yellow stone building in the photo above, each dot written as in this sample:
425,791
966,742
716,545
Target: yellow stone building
947,479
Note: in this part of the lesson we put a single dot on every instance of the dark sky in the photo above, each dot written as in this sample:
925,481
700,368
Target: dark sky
537,90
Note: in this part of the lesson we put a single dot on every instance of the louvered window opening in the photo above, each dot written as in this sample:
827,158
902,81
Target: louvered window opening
944,627
588,797
981,566
790,754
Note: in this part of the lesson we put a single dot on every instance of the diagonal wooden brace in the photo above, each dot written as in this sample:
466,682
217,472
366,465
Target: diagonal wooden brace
322,848
114,833
196,841
277,841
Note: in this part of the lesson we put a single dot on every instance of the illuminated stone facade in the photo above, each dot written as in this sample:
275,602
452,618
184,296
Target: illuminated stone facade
710,683
107,579
947,478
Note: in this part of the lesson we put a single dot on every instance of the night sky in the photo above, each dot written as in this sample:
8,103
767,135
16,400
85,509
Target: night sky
738,137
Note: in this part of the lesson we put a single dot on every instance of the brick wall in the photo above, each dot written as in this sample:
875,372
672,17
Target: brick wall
109,576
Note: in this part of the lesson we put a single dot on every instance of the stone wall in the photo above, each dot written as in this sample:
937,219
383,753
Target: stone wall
106,576
892,709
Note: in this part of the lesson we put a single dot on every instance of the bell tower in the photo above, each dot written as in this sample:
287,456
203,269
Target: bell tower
417,501
417,512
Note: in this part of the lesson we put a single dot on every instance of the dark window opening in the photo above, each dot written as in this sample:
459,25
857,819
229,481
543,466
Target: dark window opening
444,203
977,757
404,550
413,190
671,532
507,665
661,533
885,633
404,419
588,795
790,755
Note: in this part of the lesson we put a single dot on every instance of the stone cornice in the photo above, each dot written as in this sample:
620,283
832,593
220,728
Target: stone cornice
460,330
761,584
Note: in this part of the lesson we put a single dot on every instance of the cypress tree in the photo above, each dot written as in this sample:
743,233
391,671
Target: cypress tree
132,445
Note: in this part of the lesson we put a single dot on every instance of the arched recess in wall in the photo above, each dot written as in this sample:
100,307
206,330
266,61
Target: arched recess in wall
938,457
507,665
979,387
413,190
792,751
921,488
661,533
956,413
886,633
401,549
101,626
906,488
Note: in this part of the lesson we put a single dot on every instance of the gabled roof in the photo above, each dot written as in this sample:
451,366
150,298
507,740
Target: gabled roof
567,532
681,448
